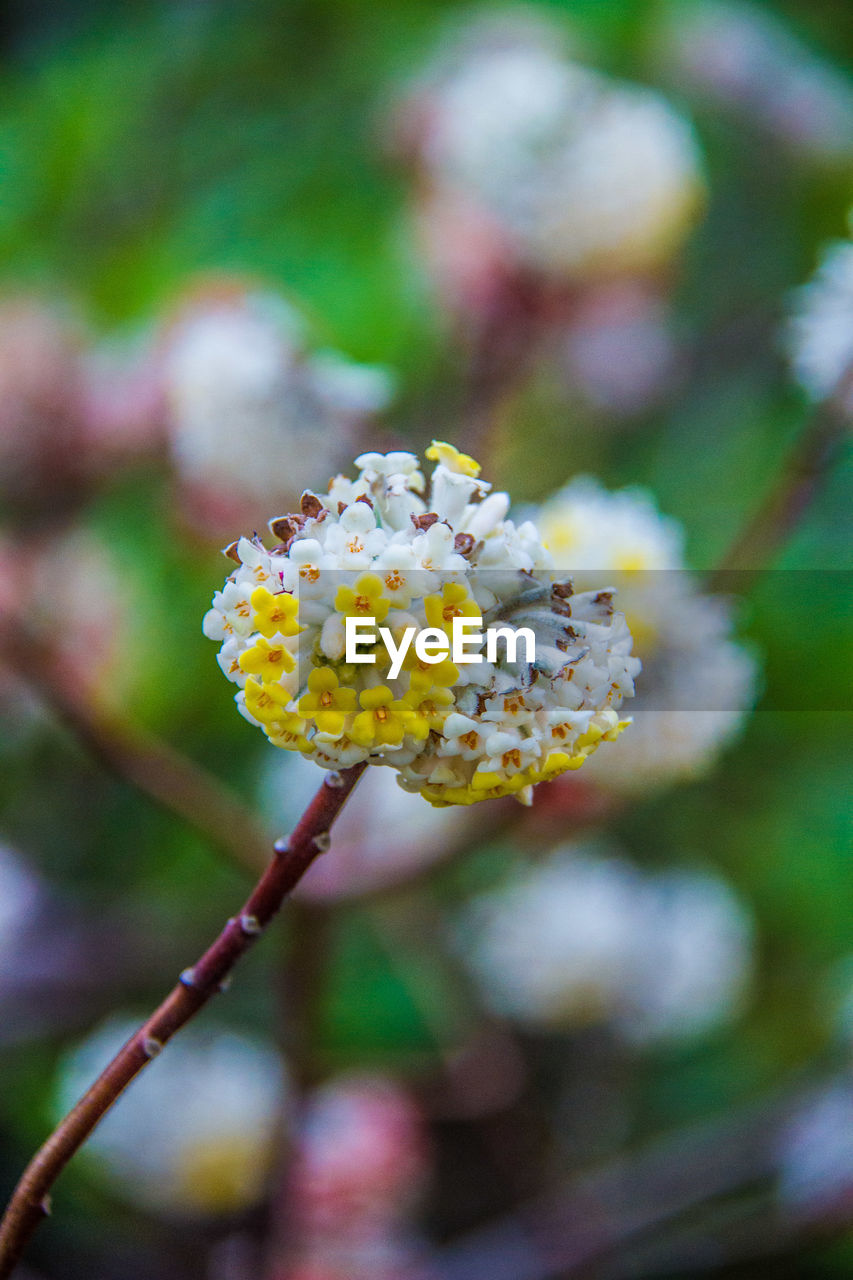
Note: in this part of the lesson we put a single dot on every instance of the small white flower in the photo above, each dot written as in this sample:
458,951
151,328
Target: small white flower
434,550
375,465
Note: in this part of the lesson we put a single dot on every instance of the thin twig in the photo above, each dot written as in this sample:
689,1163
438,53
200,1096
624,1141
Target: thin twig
501,359
148,764
196,986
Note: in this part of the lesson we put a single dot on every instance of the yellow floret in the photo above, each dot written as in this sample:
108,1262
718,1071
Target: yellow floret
275,614
364,600
383,720
326,703
269,661
454,602
449,456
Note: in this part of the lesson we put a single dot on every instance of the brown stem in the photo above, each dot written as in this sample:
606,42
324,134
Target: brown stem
500,359
805,470
144,761
293,857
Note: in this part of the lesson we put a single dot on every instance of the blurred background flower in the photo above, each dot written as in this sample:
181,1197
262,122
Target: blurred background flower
585,938
698,682
746,60
254,417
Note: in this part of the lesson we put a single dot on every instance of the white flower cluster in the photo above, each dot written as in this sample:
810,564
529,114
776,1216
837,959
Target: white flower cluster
583,176
250,407
739,56
698,683
389,547
820,331
197,1132
585,937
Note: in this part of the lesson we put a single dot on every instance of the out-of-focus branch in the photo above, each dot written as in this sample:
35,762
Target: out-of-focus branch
293,856
139,758
619,1205
501,357
804,471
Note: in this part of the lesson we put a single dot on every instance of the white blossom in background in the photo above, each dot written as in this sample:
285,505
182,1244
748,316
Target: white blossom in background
698,682
695,961
383,836
391,547
197,1132
741,57
253,412
820,330
556,944
658,956
815,1153
581,176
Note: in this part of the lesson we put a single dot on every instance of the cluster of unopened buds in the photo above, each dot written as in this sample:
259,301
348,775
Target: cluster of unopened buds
390,548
